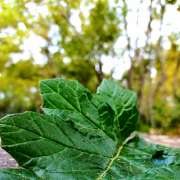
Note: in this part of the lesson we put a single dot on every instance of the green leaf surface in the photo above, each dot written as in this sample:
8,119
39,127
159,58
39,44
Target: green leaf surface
70,99
113,99
84,136
17,174
112,109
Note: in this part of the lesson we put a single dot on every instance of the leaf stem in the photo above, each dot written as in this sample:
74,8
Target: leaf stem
110,163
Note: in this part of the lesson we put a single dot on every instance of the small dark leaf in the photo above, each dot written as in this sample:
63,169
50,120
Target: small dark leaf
162,158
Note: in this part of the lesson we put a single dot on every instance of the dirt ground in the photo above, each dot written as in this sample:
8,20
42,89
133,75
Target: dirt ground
6,161
162,139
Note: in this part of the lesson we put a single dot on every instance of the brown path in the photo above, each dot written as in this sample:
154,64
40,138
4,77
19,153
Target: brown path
163,139
7,161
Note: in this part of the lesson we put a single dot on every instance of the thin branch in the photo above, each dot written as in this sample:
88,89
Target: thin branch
161,58
125,7
175,78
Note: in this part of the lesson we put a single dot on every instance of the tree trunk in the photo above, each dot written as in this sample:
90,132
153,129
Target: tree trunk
175,78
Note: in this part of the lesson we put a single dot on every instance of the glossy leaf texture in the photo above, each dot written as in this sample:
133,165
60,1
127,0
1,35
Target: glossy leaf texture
83,136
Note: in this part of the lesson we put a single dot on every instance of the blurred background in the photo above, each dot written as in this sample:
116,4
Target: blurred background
135,42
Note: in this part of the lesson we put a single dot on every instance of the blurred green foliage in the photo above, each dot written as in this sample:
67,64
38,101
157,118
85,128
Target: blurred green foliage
70,39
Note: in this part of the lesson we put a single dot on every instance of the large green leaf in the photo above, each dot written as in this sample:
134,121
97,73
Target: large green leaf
112,109
83,136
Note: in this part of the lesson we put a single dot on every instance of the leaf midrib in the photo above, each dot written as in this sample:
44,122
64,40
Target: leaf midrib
116,155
